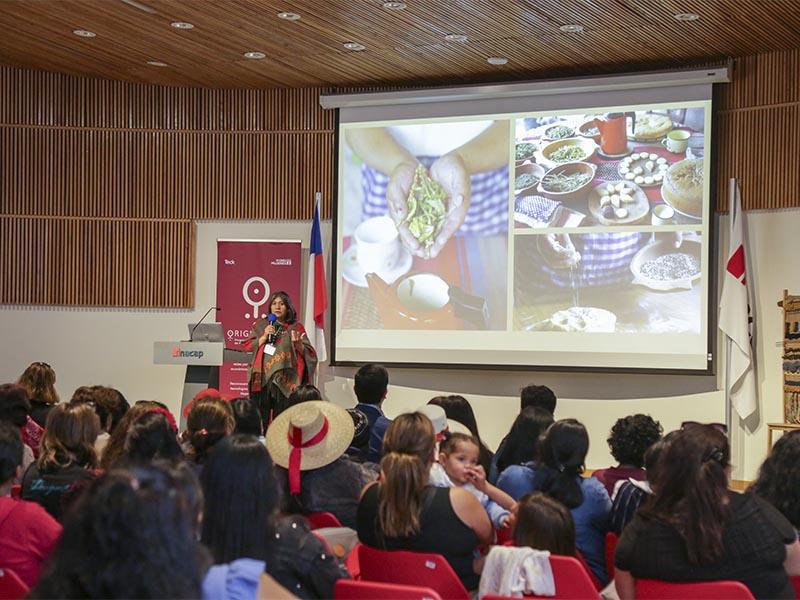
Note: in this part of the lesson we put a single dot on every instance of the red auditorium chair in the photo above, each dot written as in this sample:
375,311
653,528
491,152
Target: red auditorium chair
318,520
796,586
347,589
570,578
410,568
11,586
653,589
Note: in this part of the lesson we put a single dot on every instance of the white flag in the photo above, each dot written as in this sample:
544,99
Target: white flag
316,289
734,313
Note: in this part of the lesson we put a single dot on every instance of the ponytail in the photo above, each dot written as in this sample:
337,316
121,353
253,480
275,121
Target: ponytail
563,451
400,494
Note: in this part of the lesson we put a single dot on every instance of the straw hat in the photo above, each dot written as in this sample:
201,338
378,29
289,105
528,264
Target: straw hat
325,431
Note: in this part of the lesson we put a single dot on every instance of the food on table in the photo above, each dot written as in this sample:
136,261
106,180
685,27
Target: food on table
643,168
650,126
590,131
618,203
526,180
683,187
585,319
567,153
426,208
565,182
559,132
672,266
524,150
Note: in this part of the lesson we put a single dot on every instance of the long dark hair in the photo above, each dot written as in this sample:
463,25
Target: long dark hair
241,499
291,313
150,437
115,448
457,408
522,442
209,421
544,524
779,477
128,536
562,454
691,490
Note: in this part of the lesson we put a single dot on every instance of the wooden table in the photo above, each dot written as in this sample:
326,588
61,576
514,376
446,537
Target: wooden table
771,427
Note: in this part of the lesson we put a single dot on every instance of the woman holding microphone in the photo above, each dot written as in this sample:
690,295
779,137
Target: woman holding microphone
283,357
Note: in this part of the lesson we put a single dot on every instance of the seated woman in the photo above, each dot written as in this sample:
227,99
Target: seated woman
457,408
130,535
241,506
308,442
210,420
115,448
403,512
39,380
152,436
14,410
695,529
562,453
630,437
67,459
521,444
779,478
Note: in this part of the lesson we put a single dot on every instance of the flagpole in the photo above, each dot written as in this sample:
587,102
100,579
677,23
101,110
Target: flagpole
728,340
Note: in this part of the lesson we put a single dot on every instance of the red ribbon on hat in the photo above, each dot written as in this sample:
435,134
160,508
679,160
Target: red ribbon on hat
296,442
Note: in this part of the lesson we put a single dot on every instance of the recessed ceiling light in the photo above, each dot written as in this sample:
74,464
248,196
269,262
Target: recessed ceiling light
687,17
157,63
255,55
84,33
181,25
288,16
456,37
497,60
354,46
394,5
571,28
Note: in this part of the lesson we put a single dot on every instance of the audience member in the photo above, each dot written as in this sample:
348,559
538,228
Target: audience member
129,536
360,445
370,385
115,449
539,396
403,512
241,505
152,436
308,443
695,529
67,460
14,409
521,444
39,381
779,477
630,437
210,420
27,533
562,453
247,417
544,524
457,408
633,492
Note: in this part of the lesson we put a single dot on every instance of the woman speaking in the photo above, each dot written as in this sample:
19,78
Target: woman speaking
283,357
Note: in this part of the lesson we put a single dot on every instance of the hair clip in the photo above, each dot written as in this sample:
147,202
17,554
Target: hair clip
203,431
714,454
561,468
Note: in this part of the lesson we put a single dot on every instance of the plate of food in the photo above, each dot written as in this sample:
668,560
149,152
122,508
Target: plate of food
589,129
567,151
618,203
643,168
558,131
524,151
662,267
583,319
527,177
649,127
567,181
683,188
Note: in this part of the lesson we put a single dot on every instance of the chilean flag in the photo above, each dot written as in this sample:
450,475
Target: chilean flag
316,295
734,314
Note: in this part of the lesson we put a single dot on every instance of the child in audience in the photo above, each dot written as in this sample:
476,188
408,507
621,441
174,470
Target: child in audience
458,457
457,408
544,524
630,437
27,533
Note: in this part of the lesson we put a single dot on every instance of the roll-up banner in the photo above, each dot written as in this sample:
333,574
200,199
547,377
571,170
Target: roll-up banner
248,272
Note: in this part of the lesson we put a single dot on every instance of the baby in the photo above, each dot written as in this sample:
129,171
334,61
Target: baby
458,466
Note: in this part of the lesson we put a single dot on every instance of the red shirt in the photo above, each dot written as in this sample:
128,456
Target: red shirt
27,536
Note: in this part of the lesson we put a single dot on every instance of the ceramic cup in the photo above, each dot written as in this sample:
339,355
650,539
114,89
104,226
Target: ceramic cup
377,245
423,291
677,141
662,215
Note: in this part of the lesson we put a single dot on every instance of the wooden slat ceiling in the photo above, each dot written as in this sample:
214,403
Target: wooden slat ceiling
404,47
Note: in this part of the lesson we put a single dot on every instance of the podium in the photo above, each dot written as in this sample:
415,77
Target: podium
202,361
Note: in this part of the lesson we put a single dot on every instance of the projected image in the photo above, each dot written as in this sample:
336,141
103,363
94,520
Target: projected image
631,282
425,226
615,168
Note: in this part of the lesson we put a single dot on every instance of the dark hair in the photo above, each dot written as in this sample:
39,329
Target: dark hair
189,486
522,442
39,380
652,456
305,392
452,440
10,451
631,436
210,420
14,404
457,408
109,402
779,477
544,524
370,384
562,453
537,395
247,417
128,536
69,437
115,448
241,499
291,313
150,437
691,491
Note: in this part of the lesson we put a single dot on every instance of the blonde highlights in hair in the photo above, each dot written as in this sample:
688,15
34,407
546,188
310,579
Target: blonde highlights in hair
69,437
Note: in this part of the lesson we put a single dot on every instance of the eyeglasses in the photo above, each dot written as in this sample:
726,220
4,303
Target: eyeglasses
721,427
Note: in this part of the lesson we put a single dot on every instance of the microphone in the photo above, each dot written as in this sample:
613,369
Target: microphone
271,336
191,333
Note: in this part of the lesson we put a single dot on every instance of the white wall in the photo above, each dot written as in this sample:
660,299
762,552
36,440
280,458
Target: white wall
114,347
